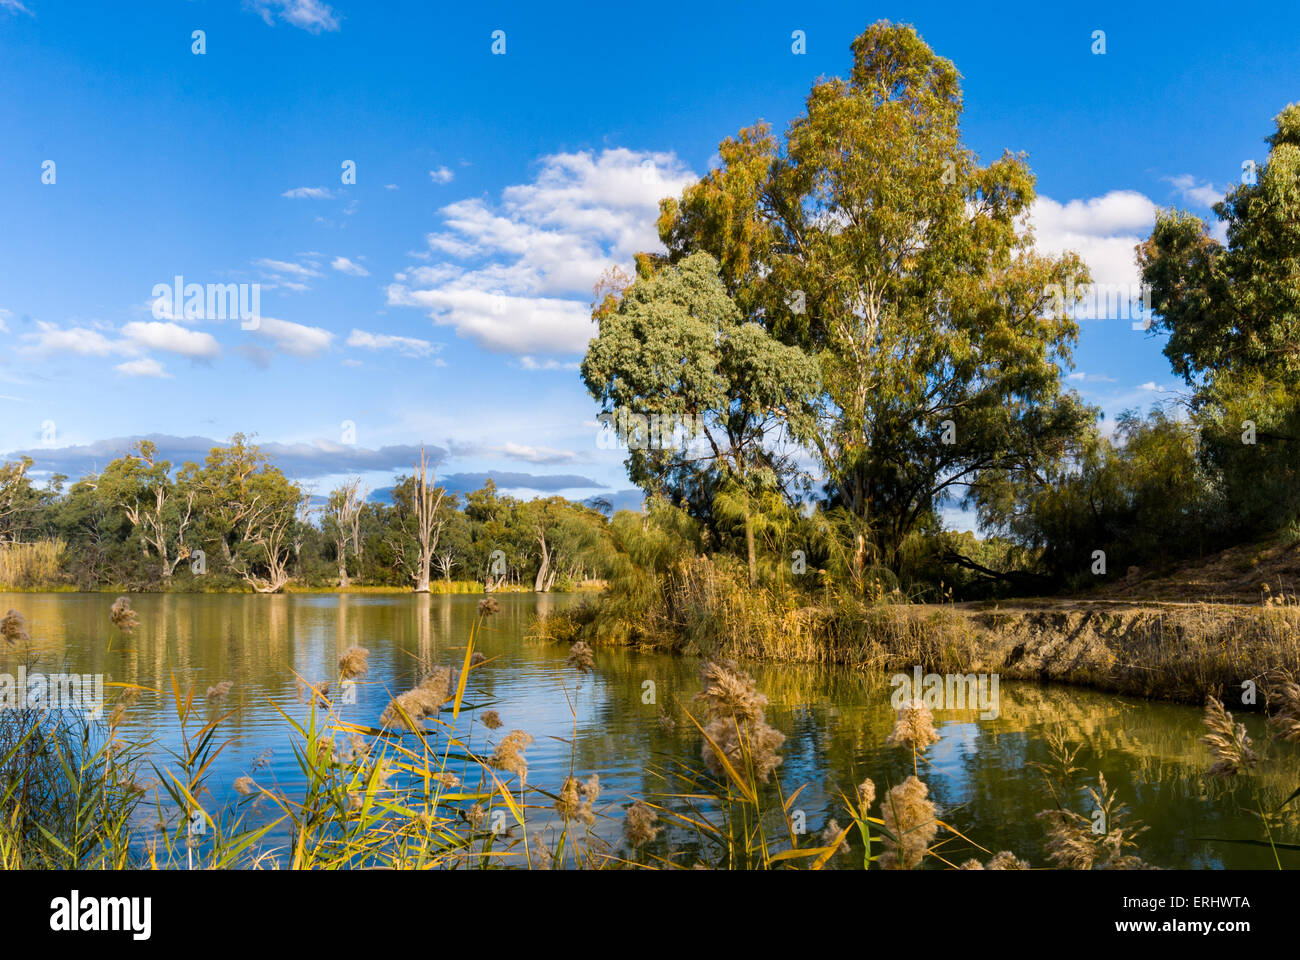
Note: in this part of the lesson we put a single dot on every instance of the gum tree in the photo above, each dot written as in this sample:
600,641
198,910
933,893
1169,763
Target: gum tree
872,240
676,347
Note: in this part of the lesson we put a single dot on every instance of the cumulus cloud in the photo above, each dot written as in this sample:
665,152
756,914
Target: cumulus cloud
144,367
310,15
441,175
307,193
516,275
132,340
1201,193
281,267
171,338
532,363
350,267
408,346
296,339
531,454
1103,230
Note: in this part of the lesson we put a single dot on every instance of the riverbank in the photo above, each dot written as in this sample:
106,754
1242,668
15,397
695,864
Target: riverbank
1174,651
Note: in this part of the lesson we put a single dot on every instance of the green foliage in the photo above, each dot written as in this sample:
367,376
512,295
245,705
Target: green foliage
1235,308
873,241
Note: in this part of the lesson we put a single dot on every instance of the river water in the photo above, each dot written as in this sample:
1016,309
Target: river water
835,719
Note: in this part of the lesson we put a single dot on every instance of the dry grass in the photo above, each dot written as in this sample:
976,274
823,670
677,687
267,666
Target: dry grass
1180,652
27,565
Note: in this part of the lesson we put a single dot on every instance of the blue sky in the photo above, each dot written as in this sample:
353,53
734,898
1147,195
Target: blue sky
441,298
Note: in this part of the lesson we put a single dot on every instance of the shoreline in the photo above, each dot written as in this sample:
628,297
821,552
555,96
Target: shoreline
1175,651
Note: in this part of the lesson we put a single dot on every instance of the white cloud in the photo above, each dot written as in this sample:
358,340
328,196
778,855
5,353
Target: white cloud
1104,231
4,315
171,338
285,266
307,193
531,454
1081,377
409,346
344,265
390,186
144,367
532,363
541,249
296,339
16,7
80,341
1202,194
441,175
310,15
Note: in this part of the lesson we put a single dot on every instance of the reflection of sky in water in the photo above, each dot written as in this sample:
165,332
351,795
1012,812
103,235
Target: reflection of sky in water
835,719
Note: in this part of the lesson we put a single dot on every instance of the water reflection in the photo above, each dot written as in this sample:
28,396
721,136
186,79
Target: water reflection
836,720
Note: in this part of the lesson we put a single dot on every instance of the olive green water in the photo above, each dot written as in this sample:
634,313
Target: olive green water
836,719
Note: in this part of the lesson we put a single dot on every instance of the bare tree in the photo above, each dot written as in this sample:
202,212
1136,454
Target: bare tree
345,510
444,562
427,499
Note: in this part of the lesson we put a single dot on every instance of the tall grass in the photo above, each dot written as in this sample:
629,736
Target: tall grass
25,565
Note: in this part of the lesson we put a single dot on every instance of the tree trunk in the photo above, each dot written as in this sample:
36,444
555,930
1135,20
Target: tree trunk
540,585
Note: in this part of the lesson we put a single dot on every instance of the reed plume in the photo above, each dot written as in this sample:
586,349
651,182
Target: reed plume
13,627
639,824
581,657
1285,719
914,727
509,754
737,726
910,819
123,617
354,663
1227,740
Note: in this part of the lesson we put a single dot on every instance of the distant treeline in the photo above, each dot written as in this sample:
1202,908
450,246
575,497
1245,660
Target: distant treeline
237,522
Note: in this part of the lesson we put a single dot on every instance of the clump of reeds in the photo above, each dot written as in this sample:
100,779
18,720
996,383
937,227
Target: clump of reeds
245,786
575,799
13,627
354,663
639,824
1074,843
1285,717
488,606
220,691
1228,741
424,700
737,728
491,719
509,754
911,824
1006,860
581,657
122,616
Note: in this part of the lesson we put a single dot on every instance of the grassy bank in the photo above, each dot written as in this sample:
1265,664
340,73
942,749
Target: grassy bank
1172,651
